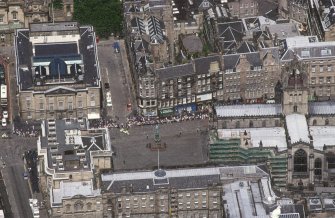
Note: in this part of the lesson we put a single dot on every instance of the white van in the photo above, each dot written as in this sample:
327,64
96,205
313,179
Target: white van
109,99
4,122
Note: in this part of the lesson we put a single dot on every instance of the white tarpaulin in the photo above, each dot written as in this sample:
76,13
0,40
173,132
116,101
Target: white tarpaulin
93,116
204,97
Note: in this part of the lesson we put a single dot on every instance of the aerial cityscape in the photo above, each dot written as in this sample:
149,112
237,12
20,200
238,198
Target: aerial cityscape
167,108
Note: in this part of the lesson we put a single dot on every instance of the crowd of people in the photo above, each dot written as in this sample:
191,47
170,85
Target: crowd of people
26,129
141,120
144,120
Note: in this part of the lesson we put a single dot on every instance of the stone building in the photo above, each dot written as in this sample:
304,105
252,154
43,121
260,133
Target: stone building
295,138
319,60
70,157
322,20
36,11
195,192
11,18
57,71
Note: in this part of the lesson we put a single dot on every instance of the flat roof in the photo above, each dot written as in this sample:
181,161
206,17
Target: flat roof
70,189
55,49
322,135
49,27
270,137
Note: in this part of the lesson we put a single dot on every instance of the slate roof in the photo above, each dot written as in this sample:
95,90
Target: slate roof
246,47
175,71
231,60
202,65
249,110
267,6
228,33
155,29
49,52
67,146
321,108
137,22
310,51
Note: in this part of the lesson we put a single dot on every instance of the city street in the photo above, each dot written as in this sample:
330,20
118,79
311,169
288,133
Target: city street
114,70
186,145
11,161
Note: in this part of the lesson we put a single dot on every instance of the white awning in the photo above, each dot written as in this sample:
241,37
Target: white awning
93,116
204,97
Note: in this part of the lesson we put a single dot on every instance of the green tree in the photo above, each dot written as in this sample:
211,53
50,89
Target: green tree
104,15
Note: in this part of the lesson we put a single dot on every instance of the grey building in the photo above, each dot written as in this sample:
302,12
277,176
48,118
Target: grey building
70,155
57,71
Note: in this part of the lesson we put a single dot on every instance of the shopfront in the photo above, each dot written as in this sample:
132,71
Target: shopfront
186,108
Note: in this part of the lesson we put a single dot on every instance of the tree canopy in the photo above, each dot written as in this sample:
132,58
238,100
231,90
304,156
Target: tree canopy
104,15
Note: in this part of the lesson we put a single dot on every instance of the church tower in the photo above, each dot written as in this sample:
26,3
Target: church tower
295,88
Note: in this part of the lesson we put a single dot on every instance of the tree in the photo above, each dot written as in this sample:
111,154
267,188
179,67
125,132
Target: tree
104,15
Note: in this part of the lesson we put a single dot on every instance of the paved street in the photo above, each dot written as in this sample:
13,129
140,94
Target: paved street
189,148
18,191
115,71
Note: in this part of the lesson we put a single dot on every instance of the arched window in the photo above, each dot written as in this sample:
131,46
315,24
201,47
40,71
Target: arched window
317,167
89,206
314,122
326,122
237,124
78,206
68,208
251,124
264,123
300,161
295,108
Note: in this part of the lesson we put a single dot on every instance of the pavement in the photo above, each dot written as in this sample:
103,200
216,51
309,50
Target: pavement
186,145
114,68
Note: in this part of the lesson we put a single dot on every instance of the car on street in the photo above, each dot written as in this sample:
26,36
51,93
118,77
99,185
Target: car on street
106,85
109,99
5,114
4,122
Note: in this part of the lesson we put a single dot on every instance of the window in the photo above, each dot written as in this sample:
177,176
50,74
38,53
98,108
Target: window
251,124
68,208
89,206
326,122
314,122
70,105
80,103
300,161
61,105
329,68
313,69
14,15
41,106
320,80
318,167
295,108
1,18
51,106
237,124
78,206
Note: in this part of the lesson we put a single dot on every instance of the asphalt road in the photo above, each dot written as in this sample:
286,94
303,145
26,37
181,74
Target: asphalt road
115,71
185,149
17,188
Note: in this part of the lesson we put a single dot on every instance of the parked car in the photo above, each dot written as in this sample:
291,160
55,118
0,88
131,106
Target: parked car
5,114
106,85
4,122
109,99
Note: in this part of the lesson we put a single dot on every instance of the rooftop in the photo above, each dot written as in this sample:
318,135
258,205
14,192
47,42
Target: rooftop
71,189
147,181
247,198
50,27
57,60
297,128
322,135
256,137
175,71
69,145
248,110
